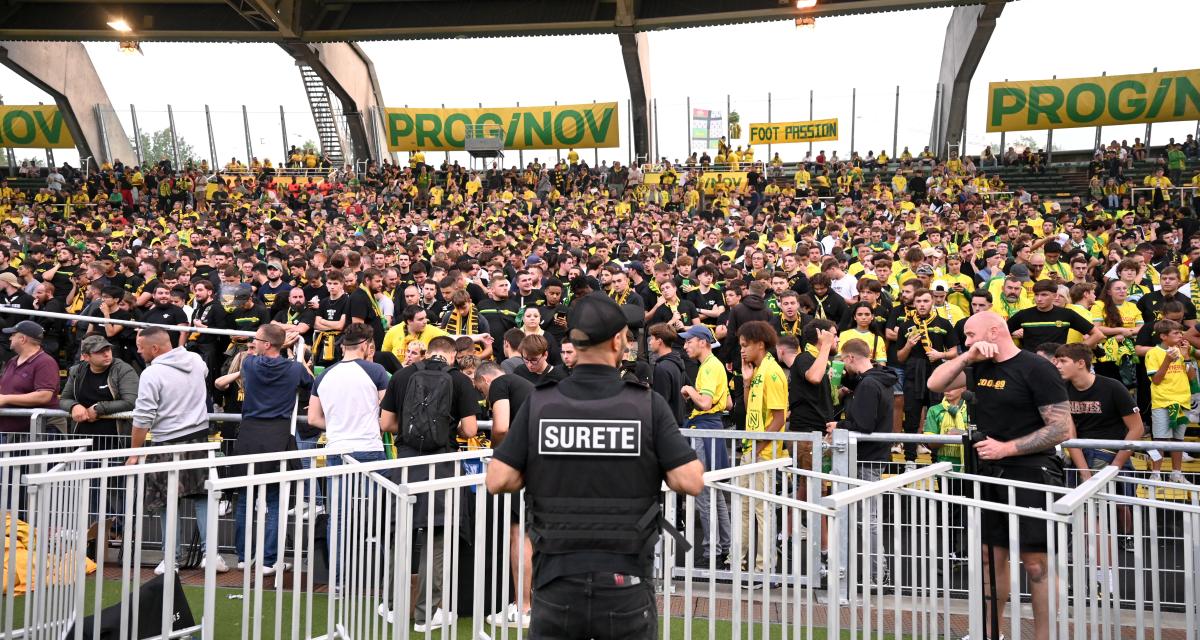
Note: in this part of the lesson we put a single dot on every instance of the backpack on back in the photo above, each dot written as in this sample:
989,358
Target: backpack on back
425,422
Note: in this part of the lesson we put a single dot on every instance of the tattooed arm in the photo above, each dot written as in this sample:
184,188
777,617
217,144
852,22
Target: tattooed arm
1058,428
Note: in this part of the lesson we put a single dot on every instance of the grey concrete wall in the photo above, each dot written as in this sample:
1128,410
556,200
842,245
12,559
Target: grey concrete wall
65,71
635,53
350,75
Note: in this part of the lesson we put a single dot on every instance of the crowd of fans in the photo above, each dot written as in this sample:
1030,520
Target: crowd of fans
894,253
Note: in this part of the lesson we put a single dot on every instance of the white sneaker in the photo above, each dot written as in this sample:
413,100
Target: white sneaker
224,507
221,566
1187,457
385,613
898,448
923,450
510,616
440,617
161,568
241,565
1155,476
1177,478
282,566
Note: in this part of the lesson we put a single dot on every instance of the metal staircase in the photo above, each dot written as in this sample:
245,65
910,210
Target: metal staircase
328,132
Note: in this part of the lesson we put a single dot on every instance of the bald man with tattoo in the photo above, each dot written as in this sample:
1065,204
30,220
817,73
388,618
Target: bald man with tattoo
1022,410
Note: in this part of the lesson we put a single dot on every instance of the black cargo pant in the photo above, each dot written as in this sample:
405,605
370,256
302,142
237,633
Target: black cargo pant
594,605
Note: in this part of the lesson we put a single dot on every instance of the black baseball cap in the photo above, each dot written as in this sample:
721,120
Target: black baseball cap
27,327
596,318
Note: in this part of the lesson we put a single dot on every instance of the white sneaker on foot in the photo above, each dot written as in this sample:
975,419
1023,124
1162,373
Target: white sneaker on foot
221,566
1177,478
1155,476
241,565
161,568
923,450
509,616
281,566
385,613
440,617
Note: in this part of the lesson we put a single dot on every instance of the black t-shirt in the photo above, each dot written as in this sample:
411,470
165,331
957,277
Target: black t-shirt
93,388
551,373
1009,395
1099,410
464,400
333,310
687,311
167,314
515,389
941,337
706,302
211,314
1152,303
1047,326
810,406
362,306
291,317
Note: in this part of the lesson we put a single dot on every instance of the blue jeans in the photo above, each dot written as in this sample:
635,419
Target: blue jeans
270,535
201,505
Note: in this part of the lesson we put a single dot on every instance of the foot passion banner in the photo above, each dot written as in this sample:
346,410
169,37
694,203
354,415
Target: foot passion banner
557,127
1088,102
33,127
785,132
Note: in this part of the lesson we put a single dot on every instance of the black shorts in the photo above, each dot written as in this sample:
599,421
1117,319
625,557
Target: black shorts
1031,531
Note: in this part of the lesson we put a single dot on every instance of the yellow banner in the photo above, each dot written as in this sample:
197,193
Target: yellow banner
558,127
712,181
785,132
1090,102
33,127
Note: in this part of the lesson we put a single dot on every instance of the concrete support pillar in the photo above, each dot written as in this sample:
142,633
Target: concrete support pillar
967,37
635,52
350,76
65,71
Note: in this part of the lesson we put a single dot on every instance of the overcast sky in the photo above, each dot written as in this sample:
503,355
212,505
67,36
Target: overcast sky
1034,39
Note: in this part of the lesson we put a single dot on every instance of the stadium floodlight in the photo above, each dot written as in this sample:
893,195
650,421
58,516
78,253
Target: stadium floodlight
805,4
120,25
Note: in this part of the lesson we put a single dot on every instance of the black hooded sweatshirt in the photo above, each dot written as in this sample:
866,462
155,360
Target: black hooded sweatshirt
869,410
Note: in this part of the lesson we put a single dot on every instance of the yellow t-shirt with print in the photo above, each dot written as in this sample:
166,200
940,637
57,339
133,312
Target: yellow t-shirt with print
768,392
711,381
1073,336
878,345
1174,388
1131,316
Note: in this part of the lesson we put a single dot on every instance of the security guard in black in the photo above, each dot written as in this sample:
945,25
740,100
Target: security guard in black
592,452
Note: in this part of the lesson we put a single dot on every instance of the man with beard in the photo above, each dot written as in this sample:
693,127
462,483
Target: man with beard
296,320
364,304
926,340
62,273
1011,299
208,312
165,312
330,321
55,330
499,309
273,293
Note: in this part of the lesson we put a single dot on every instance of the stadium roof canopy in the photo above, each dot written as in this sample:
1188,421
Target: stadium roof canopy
357,20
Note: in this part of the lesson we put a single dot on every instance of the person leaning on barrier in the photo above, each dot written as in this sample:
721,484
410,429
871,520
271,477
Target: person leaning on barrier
171,409
30,378
1022,411
101,385
593,488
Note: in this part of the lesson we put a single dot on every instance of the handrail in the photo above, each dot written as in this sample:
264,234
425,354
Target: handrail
1067,504
73,317
845,498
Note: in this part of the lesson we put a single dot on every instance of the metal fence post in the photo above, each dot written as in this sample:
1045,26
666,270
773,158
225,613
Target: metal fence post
688,122
283,127
103,124
35,424
1099,135
246,126
896,125
1148,128
137,135
629,131
174,138
520,152
1050,140
769,121
595,150
212,142
853,116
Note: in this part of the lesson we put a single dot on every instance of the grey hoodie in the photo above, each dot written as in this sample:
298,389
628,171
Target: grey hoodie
171,398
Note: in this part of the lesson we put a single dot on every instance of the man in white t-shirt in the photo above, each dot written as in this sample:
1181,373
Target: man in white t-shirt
345,400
